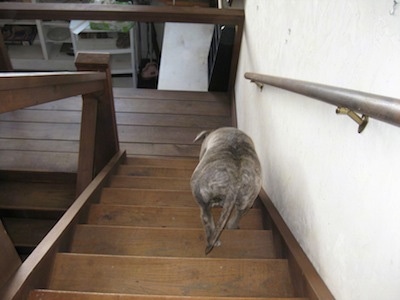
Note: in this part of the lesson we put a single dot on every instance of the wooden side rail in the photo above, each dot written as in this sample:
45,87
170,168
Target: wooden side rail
379,107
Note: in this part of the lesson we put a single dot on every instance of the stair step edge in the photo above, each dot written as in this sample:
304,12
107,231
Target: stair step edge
172,275
147,216
148,241
41,294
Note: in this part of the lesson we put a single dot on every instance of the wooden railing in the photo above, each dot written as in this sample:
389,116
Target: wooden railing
98,152
35,270
139,13
99,137
379,107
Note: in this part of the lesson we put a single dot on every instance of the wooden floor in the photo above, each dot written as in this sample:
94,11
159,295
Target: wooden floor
150,123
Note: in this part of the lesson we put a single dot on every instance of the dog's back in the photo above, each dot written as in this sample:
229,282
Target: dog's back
228,175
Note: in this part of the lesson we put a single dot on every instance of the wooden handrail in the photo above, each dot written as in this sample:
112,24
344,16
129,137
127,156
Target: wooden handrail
379,107
14,80
20,90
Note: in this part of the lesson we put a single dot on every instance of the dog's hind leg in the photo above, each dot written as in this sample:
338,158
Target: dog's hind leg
208,220
227,208
233,222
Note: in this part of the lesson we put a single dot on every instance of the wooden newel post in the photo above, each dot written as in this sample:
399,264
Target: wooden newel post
99,135
5,62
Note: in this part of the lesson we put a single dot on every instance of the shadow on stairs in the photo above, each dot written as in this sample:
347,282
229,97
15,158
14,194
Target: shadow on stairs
144,240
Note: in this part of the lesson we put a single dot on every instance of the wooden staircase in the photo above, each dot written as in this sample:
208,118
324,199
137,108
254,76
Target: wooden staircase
144,240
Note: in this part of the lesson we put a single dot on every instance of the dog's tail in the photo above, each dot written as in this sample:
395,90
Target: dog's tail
223,219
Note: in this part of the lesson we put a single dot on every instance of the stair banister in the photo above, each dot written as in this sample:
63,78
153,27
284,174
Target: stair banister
99,137
34,271
20,90
379,107
98,154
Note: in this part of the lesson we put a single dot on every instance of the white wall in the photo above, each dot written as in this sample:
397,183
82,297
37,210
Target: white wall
337,190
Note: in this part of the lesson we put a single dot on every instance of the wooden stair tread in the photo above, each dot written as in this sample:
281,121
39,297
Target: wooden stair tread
145,240
162,161
145,182
169,242
172,106
71,295
154,171
184,121
34,196
147,197
27,232
172,276
143,216
133,93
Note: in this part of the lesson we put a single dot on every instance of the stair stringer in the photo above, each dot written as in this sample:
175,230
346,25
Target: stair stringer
305,278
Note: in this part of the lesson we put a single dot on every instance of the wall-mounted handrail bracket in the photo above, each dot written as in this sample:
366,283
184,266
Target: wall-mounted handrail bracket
361,121
258,84
379,107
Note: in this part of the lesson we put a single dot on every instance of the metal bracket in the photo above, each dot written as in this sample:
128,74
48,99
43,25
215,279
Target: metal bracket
257,83
361,121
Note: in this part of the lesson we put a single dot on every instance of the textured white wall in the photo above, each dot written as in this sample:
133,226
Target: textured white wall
339,191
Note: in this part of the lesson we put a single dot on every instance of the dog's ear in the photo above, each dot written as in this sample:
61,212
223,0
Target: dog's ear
202,135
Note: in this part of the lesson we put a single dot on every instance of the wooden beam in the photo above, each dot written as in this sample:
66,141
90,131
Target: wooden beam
235,57
139,13
9,259
87,144
5,62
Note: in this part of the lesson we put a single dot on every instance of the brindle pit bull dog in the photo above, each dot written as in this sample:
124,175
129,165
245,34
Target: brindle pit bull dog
228,175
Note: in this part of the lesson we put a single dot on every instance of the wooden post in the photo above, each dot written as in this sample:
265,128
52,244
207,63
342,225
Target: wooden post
99,136
5,62
9,259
